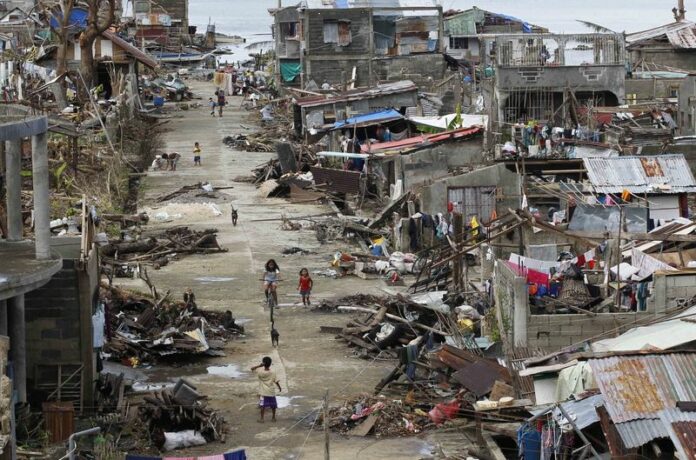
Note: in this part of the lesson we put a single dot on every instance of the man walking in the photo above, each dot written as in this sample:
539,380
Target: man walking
267,387
220,100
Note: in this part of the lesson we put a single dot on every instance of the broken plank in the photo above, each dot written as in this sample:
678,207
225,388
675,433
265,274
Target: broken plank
330,329
365,427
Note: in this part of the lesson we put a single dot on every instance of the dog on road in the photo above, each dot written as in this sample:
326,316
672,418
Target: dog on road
235,216
275,337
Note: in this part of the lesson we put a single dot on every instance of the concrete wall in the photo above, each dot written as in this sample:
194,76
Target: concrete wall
552,332
177,9
648,89
687,110
59,319
670,291
433,198
428,165
422,69
579,78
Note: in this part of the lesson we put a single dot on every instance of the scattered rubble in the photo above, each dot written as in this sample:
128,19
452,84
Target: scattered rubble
145,330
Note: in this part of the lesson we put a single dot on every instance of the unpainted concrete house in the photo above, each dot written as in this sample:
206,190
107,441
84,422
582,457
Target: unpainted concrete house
48,286
359,42
462,31
535,74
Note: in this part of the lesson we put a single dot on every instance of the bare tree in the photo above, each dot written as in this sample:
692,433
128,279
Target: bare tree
100,16
60,11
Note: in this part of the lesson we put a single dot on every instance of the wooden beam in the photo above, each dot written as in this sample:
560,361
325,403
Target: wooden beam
635,236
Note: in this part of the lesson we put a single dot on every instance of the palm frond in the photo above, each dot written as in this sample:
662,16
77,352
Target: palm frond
596,27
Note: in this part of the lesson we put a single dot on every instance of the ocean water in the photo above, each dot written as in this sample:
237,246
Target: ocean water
250,18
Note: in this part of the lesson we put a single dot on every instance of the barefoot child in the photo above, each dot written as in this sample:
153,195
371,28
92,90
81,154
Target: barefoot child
196,154
267,387
211,104
305,286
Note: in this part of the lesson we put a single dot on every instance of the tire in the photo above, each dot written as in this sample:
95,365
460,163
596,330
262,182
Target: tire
392,338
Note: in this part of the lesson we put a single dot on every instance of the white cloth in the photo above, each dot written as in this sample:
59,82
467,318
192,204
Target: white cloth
533,264
98,323
646,264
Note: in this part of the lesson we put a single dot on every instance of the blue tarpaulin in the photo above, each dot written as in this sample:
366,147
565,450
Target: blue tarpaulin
369,118
78,19
290,70
526,28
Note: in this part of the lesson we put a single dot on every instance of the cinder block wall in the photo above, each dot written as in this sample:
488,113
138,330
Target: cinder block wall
552,332
670,290
53,320
423,69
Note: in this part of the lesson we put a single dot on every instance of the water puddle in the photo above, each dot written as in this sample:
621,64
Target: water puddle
286,401
214,279
231,371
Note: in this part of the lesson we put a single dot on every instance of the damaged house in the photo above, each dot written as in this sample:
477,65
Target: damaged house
164,22
543,76
358,42
463,29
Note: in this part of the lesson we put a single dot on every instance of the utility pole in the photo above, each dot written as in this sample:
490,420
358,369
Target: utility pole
326,425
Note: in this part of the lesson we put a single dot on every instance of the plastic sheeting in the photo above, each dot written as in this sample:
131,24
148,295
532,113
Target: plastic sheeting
290,70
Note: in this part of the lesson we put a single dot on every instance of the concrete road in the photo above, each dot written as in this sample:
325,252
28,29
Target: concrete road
307,361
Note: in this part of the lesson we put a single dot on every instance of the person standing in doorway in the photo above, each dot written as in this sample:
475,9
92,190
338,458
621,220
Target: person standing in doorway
268,381
196,154
220,101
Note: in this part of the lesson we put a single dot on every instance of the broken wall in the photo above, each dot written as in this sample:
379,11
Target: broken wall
433,198
666,56
671,291
641,90
428,165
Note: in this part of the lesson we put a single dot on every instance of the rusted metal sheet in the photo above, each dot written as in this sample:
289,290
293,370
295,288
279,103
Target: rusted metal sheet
644,387
667,30
337,180
478,378
640,174
686,433
459,359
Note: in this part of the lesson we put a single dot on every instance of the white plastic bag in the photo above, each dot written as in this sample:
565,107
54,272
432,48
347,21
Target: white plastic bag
188,438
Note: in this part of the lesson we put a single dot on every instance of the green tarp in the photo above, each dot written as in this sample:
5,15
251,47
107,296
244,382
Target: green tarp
290,70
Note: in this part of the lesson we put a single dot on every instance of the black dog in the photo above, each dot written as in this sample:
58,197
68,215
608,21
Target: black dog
235,216
275,337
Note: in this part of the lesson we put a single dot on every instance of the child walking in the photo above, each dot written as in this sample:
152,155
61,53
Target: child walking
211,104
305,286
196,154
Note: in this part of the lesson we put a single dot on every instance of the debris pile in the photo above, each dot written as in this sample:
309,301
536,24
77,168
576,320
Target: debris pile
382,325
379,416
199,192
145,330
162,247
178,417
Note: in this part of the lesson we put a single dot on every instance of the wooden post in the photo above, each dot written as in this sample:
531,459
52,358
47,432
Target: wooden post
458,222
326,426
619,256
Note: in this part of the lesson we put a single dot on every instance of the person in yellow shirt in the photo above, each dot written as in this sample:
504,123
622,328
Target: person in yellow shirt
268,381
196,154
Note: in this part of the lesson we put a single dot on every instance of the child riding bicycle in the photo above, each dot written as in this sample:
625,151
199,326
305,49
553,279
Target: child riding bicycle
271,276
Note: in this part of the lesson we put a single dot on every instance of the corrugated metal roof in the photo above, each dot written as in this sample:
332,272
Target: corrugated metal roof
637,433
671,31
641,174
583,412
683,38
337,180
686,433
645,386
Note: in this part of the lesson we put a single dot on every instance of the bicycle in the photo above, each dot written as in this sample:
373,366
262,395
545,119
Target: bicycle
272,298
